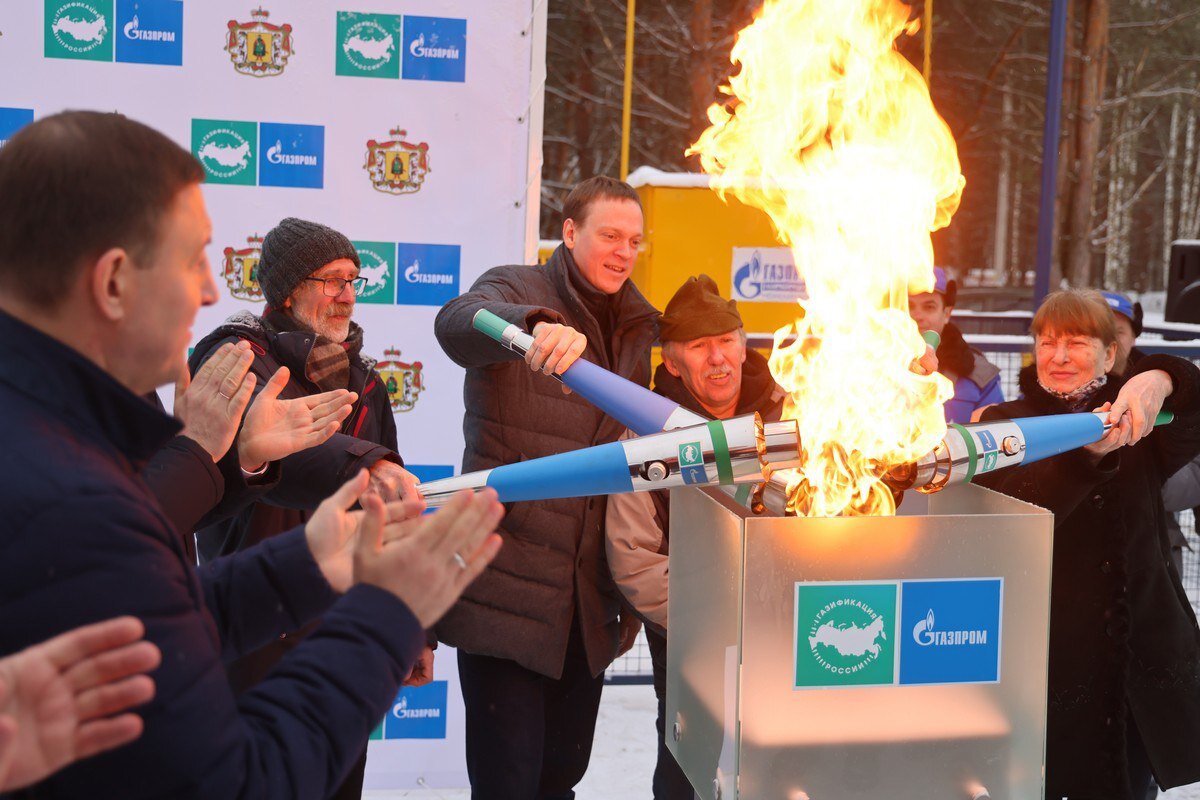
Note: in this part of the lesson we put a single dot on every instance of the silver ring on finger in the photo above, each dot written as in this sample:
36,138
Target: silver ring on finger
458,559
226,396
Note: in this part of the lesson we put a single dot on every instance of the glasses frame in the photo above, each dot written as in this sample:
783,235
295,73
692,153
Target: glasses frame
340,283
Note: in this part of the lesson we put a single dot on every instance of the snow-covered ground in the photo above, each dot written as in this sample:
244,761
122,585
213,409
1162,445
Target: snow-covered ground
623,755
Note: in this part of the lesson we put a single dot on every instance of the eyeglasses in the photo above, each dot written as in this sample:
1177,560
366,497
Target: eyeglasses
334,286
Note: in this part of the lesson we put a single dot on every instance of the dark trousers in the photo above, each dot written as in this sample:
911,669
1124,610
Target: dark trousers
669,781
529,737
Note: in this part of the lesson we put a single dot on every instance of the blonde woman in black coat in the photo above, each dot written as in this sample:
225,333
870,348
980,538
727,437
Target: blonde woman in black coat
1124,702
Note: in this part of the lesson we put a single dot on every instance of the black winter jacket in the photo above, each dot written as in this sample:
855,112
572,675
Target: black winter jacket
1123,636
308,477
552,568
84,540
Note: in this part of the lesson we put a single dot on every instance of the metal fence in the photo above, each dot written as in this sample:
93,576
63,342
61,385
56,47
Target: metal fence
1009,352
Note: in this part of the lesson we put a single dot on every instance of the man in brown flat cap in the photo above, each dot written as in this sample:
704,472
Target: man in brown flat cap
707,369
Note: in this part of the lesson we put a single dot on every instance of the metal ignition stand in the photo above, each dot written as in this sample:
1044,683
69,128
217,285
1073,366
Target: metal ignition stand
890,658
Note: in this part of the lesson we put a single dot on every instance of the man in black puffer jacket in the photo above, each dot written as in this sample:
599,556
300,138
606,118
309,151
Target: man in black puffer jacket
537,629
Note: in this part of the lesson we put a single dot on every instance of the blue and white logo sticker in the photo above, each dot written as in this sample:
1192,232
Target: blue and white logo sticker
150,31
292,155
428,273
950,630
435,49
419,712
12,120
766,275
691,463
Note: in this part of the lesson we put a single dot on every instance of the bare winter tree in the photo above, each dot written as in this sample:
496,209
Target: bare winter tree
1129,177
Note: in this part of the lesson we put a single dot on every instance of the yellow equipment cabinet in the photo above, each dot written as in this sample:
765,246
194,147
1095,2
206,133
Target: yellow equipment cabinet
690,230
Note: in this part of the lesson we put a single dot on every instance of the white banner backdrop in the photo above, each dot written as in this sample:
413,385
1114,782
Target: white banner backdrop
413,127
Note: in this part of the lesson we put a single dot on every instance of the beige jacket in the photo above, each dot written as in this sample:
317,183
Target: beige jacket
636,556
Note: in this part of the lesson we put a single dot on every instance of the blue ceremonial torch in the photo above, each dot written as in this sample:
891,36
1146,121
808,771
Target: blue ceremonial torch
980,447
677,447
716,452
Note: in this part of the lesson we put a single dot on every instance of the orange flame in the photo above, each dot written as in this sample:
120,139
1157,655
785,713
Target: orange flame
833,134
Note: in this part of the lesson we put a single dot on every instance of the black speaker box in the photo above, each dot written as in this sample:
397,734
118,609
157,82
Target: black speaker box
1183,282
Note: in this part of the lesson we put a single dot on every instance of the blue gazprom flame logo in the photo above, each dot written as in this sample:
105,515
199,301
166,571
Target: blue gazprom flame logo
925,635
757,277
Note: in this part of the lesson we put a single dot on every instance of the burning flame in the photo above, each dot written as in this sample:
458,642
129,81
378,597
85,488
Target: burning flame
832,133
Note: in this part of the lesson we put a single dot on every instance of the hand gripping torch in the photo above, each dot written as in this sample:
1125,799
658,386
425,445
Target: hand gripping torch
718,452
635,407
981,447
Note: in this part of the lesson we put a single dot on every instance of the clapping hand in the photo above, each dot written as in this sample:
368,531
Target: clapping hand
210,405
427,561
61,700
275,428
333,527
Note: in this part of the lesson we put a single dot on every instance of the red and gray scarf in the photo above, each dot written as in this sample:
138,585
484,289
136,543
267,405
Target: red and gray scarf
328,364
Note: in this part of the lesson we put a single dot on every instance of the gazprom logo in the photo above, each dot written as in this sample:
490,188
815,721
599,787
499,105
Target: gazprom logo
926,635
953,629
12,120
402,711
419,50
151,31
413,274
294,156
133,31
766,275
418,712
277,155
430,273
435,49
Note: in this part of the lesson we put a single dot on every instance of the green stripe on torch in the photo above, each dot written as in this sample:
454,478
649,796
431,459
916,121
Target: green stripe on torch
721,452
1164,417
972,454
486,322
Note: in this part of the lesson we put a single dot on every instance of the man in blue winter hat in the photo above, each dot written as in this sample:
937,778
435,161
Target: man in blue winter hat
1128,315
976,380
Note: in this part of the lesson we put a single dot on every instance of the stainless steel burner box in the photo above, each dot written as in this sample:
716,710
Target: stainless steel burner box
739,728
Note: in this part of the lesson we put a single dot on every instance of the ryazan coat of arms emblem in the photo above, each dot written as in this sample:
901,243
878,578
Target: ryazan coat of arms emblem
402,380
397,166
257,47
241,270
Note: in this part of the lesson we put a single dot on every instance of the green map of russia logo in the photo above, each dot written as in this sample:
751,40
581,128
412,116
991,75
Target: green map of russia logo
368,45
79,29
845,634
228,149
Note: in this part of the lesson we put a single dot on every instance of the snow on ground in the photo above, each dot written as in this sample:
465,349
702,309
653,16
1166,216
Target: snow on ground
623,755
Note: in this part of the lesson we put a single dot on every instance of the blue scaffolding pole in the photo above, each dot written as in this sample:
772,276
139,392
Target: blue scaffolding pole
1050,136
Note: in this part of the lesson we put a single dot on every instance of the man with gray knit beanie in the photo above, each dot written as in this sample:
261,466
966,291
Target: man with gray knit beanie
309,275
